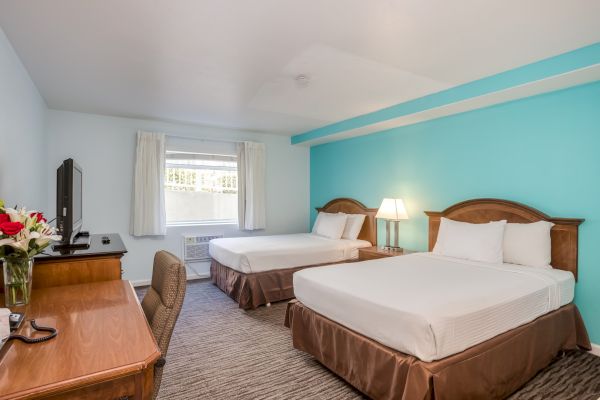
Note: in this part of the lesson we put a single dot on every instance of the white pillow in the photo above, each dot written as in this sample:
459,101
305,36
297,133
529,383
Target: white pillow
354,223
528,244
476,242
318,219
314,229
330,225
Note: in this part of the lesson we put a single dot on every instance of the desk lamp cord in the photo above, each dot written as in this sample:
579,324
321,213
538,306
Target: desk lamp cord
53,333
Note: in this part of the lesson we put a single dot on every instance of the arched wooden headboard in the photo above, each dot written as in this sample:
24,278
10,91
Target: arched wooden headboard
564,233
351,206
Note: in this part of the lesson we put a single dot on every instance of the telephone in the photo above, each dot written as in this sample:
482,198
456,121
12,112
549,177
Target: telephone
15,320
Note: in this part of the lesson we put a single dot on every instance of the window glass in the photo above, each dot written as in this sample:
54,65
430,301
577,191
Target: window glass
200,188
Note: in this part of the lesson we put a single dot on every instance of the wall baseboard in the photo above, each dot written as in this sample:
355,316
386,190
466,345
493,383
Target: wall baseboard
595,349
190,277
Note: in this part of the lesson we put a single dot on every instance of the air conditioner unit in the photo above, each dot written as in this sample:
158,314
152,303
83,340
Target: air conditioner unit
195,248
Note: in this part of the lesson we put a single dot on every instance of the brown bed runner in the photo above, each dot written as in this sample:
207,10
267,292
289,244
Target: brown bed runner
256,289
490,370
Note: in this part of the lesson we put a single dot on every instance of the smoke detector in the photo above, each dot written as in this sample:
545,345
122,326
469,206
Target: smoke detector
302,80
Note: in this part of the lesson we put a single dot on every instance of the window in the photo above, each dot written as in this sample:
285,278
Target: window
200,188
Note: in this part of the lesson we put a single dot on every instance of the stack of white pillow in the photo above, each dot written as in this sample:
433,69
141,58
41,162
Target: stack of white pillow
339,225
496,242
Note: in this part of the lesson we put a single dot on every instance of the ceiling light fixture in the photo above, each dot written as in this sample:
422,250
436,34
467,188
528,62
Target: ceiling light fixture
302,80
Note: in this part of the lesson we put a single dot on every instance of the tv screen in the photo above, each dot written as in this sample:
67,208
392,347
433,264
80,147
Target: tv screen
77,177
69,206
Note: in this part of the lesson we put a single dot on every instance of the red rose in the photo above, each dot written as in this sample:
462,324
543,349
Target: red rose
11,228
39,216
4,218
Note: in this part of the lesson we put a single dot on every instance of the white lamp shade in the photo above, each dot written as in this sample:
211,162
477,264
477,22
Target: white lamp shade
392,209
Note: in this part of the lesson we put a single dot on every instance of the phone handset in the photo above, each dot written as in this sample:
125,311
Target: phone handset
53,333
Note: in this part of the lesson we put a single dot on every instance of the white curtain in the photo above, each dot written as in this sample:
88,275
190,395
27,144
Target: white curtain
251,186
148,205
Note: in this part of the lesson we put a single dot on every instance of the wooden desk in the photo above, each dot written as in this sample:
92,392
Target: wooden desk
104,349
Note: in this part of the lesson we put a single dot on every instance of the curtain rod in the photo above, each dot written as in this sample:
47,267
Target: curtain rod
205,139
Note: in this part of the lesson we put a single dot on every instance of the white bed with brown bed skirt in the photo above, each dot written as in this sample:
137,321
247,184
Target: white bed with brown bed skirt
425,326
258,270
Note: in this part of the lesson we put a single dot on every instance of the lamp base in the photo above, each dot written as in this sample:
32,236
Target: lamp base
388,245
393,248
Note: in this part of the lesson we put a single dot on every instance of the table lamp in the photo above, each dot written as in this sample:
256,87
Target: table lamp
392,210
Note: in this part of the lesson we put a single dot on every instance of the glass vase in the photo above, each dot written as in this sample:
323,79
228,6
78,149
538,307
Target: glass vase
17,281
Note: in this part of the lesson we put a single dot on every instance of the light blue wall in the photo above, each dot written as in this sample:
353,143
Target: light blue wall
22,133
543,151
105,149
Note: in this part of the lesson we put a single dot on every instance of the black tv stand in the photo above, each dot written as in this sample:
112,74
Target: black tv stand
80,241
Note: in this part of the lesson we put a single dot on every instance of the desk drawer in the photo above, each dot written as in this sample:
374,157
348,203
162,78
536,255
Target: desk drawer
76,271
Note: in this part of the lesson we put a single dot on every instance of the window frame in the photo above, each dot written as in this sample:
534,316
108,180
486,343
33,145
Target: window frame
171,163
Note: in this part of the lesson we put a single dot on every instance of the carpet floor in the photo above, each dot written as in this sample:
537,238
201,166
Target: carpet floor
221,352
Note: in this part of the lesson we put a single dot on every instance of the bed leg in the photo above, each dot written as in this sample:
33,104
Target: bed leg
268,304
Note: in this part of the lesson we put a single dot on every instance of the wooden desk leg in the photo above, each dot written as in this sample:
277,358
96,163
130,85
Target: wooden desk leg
144,384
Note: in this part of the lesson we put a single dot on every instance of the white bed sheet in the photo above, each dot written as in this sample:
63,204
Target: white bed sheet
432,306
266,253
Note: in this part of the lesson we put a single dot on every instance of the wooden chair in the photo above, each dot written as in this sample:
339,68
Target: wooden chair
162,304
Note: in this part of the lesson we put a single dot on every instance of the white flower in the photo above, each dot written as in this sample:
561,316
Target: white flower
36,234
13,215
6,241
22,245
42,241
21,215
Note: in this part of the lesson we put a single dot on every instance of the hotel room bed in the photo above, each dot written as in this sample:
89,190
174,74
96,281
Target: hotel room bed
424,326
258,270
268,253
442,305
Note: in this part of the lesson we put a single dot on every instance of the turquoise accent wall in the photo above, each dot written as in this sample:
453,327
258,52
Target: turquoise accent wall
542,151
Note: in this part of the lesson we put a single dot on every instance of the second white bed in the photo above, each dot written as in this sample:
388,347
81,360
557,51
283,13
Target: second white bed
431,306
266,253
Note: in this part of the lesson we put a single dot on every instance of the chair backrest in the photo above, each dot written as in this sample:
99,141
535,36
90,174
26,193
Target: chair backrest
162,303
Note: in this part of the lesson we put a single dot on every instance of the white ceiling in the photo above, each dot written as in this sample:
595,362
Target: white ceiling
232,63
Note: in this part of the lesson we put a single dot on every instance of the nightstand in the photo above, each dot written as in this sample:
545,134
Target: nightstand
374,252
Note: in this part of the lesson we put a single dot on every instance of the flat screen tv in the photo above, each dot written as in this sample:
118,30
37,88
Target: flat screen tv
69,215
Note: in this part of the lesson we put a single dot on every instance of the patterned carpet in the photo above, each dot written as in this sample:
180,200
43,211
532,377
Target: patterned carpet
221,352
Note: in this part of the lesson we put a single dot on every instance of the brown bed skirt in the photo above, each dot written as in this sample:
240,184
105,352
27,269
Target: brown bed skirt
490,370
253,290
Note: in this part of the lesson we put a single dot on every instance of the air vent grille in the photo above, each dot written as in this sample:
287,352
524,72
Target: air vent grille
195,248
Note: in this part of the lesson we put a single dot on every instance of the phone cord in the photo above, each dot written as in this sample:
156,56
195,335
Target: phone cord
53,333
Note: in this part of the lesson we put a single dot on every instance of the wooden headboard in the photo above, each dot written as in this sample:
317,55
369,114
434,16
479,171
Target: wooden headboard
563,234
351,206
